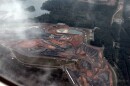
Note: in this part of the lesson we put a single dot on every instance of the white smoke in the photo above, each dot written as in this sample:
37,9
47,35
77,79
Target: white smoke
11,10
11,13
14,10
14,20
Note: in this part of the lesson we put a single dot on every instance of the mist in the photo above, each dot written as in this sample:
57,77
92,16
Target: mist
15,10
12,11
14,21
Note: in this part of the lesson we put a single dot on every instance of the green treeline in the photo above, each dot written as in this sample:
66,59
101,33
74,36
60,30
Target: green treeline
76,13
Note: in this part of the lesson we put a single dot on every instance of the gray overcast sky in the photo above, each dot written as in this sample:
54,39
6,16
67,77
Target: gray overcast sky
15,9
37,4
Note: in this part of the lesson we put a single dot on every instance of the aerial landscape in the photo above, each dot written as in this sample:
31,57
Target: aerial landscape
65,42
